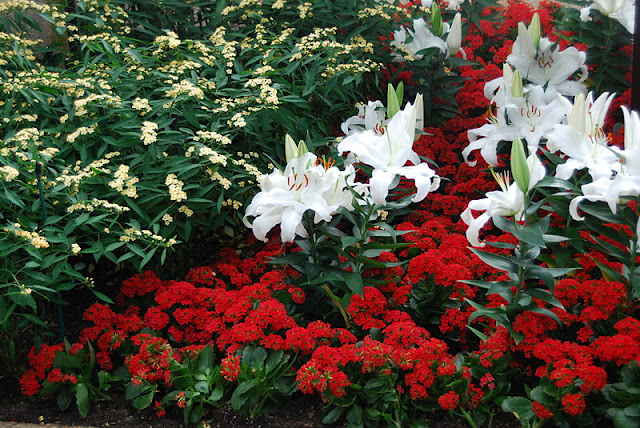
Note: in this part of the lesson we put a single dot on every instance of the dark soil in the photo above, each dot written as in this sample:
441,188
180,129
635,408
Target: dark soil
299,412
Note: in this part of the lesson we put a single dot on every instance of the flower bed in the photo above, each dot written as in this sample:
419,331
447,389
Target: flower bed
386,274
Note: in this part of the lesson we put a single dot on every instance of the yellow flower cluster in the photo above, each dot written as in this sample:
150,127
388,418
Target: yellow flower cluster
113,41
131,234
212,136
303,10
268,94
237,120
149,134
176,68
90,206
236,205
24,136
83,130
168,42
213,156
34,238
167,219
185,210
185,87
109,100
68,179
175,188
215,176
142,105
9,173
123,183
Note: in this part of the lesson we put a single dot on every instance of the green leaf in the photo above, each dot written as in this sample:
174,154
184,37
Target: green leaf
495,260
275,359
13,198
64,398
82,399
143,401
333,416
217,394
354,282
521,407
238,397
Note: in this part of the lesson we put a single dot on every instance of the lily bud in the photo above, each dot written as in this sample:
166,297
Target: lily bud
519,167
437,26
419,109
454,38
394,99
577,119
516,85
290,148
534,30
293,150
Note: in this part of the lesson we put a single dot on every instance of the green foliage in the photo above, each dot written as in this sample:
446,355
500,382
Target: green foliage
82,383
198,385
624,398
265,378
605,42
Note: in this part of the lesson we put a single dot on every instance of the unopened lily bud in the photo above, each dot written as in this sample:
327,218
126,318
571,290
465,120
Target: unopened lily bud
454,38
293,150
516,85
519,167
393,102
534,30
576,118
437,26
419,109
290,148
302,148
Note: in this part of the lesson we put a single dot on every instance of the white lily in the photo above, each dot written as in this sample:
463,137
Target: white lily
622,11
370,116
533,117
546,66
582,139
388,152
422,38
626,182
506,202
306,184
487,137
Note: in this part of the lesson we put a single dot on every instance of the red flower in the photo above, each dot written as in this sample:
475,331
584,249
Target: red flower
541,411
573,404
230,367
449,401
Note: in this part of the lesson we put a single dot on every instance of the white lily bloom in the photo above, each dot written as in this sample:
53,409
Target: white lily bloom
533,117
582,139
546,66
487,137
525,114
388,152
626,181
506,202
306,184
370,116
622,11
422,38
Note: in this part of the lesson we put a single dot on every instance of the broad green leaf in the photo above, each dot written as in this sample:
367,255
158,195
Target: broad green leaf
82,399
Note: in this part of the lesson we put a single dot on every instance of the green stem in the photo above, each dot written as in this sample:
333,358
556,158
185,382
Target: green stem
468,417
338,304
